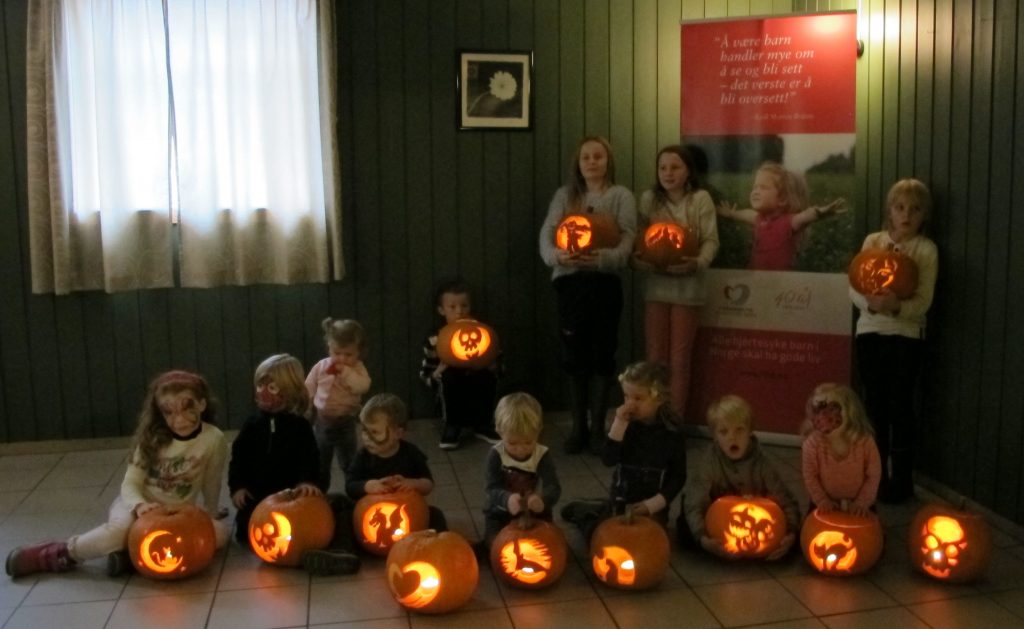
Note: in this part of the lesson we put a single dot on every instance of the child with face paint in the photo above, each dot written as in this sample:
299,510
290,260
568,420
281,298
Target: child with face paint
841,464
177,455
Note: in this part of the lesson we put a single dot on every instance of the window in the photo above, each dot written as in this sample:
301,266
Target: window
214,115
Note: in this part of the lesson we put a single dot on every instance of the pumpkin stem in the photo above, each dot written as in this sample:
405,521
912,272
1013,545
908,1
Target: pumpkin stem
627,516
526,519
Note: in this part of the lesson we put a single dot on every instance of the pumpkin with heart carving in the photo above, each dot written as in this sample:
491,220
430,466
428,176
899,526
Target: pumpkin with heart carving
431,572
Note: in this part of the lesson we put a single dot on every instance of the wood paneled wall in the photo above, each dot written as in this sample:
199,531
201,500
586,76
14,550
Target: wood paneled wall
938,98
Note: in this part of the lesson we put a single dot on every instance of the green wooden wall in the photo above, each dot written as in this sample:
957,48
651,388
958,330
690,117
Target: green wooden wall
937,98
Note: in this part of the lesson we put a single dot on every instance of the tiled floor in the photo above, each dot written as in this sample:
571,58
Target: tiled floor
55,495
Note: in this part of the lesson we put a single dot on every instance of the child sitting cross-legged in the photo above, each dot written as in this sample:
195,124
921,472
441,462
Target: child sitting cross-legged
386,462
520,473
734,465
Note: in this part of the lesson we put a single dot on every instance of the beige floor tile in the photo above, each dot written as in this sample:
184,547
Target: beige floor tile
13,592
805,623
663,608
244,572
1012,600
750,602
22,463
699,568
491,618
84,583
92,615
825,596
382,623
974,611
81,476
206,581
54,501
9,500
893,617
26,479
365,599
94,457
171,611
907,586
261,608
1005,572
556,615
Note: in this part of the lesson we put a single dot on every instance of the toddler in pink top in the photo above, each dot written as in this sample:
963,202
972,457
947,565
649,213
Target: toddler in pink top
841,465
778,212
336,386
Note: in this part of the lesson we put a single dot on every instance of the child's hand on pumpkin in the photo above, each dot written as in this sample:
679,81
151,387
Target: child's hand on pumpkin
640,264
535,503
401,483
639,508
883,302
856,509
144,507
515,504
308,489
240,497
376,486
827,506
780,552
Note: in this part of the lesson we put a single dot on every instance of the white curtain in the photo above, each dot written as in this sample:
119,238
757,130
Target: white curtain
217,113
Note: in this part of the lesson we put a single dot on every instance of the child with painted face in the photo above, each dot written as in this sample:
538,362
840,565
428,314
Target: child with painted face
177,455
275,449
336,386
779,213
891,336
519,472
733,465
841,464
387,462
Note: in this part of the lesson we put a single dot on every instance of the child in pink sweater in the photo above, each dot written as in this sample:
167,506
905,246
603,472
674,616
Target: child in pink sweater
841,465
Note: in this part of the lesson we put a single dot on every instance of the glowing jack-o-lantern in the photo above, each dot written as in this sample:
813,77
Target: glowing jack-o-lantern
285,525
467,343
380,520
431,572
629,552
583,233
747,527
841,544
665,244
172,542
875,271
529,553
949,544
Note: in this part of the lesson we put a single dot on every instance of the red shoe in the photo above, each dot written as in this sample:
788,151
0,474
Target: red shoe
44,557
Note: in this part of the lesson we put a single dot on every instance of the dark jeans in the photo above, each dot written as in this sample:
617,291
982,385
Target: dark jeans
335,437
589,308
467,397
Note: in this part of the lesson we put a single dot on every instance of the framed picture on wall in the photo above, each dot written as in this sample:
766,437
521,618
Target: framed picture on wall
494,89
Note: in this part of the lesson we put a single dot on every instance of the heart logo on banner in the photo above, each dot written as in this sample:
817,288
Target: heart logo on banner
737,294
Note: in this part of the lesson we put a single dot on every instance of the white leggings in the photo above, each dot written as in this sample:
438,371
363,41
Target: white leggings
112,536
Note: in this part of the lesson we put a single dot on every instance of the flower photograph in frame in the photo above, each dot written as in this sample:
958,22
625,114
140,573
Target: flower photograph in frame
494,89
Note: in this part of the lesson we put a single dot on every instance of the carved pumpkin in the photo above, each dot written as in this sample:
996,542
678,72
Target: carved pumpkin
380,520
874,271
949,544
665,244
583,233
285,525
841,544
529,553
172,542
432,572
746,526
467,343
629,552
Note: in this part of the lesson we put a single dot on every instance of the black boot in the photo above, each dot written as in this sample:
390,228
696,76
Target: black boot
579,392
601,387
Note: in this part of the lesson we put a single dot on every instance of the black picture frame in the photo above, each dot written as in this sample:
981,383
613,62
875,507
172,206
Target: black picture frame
494,90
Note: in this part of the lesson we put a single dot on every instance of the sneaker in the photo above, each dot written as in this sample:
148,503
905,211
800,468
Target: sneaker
583,512
324,563
44,557
489,435
450,437
118,563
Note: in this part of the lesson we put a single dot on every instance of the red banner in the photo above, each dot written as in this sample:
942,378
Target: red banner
771,75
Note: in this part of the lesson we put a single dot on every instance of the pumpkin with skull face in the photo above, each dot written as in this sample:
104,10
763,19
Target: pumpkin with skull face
285,525
172,542
874,271
747,526
949,544
841,544
467,343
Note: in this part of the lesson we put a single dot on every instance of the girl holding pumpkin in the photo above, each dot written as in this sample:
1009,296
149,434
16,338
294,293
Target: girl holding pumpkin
675,293
779,213
336,386
588,287
177,455
840,459
890,336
